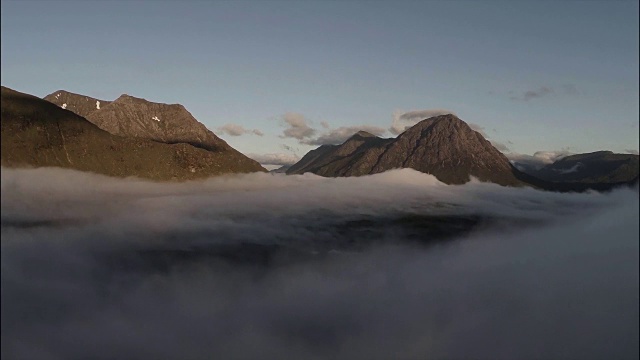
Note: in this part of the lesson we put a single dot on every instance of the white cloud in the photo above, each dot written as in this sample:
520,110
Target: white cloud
237,130
404,120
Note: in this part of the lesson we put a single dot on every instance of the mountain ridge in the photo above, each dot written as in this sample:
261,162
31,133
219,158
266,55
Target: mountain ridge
37,133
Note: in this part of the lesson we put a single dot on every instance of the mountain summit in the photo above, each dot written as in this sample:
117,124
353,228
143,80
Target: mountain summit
443,146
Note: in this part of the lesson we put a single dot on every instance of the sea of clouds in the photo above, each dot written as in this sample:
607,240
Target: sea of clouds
103,268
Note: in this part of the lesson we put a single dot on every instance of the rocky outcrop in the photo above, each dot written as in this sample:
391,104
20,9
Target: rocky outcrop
443,146
38,133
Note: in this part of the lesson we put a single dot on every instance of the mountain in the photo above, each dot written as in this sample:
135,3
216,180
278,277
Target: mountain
443,146
135,117
596,167
79,104
281,170
38,133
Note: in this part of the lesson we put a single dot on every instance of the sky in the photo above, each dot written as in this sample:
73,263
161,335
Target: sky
277,78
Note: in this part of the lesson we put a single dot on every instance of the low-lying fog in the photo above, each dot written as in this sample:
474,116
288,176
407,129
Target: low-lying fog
266,266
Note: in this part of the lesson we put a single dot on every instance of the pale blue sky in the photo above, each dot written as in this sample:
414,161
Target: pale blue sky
346,63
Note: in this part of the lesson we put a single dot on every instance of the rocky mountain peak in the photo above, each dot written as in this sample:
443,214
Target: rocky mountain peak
39,133
444,146
131,116
364,134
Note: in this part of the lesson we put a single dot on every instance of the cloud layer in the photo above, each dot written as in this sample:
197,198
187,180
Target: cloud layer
94,267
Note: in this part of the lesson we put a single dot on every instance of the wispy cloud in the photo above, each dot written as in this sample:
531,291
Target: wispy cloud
534,94
632,151
404,120
544,91
238,130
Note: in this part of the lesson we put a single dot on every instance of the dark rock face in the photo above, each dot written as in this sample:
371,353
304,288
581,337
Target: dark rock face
596,167
444,146
37,133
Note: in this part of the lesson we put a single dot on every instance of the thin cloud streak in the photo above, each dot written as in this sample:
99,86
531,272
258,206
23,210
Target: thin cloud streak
238,130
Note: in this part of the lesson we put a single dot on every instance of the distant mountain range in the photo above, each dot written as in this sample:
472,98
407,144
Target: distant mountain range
134,137
444,146
37,133
596,167
449,149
